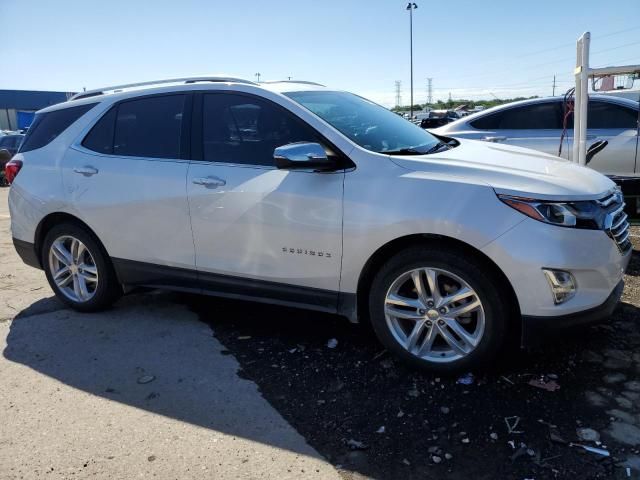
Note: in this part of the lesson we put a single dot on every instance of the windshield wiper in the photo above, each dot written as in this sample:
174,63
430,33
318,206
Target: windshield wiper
415,151
404,151
437,147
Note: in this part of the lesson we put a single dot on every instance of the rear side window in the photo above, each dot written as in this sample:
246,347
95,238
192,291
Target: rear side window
539,116
149,127
609,115
146,127
47,126
100,138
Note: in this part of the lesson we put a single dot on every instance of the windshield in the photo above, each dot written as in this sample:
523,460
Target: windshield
369,125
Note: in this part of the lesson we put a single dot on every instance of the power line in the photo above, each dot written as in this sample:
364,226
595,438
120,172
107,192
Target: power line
552,62
566,45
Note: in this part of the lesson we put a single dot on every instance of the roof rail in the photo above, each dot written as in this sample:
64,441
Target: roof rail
295,81
205,78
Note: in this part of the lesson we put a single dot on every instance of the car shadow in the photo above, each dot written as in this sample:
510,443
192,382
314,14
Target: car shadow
357,391
150,353
331,380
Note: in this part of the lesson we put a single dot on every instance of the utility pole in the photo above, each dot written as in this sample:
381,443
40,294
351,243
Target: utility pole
398,94
289,78
429,91
258,76
554,86
411,7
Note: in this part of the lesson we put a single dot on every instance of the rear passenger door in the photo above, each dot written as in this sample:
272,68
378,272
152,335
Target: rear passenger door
126,179
537,126
260,231
618,125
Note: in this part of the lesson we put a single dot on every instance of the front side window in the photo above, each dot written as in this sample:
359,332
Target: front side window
246,130
538,116
47,126
367,124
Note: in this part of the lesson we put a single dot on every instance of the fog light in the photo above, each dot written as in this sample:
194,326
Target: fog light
563,285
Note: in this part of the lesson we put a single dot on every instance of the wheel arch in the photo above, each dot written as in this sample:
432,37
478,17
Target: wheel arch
375,262
56,218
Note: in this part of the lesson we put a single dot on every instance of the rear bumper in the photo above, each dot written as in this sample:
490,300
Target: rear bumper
27,252
534,328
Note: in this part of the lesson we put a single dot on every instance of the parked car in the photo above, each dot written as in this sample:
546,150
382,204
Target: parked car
5,156
438,118
294,194
11,143
538,124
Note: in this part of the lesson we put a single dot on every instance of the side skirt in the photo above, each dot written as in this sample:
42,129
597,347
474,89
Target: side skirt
132,273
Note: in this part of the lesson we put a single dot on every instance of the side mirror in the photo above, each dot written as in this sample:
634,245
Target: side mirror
303,156
595,149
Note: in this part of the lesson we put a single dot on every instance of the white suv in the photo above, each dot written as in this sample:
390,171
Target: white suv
295,194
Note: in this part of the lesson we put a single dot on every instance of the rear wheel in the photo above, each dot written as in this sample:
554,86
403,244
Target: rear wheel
438,309
78,270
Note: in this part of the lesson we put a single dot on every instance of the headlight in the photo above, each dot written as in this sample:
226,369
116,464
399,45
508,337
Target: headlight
583,214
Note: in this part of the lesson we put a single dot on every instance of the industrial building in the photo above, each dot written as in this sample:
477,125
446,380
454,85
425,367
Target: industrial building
17,107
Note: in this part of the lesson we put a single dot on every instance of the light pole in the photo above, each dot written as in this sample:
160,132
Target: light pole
258,76
411,7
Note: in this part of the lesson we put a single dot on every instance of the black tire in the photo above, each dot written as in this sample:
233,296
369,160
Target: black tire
475,273
107,291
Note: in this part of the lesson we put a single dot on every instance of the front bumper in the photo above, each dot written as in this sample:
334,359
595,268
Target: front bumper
535,328
591,256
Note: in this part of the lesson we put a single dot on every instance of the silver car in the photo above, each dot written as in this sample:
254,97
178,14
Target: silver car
538,123
295,194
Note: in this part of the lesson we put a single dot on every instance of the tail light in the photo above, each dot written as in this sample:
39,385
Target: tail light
11,169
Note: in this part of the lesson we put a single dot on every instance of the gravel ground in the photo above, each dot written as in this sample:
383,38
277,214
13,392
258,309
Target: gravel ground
373,417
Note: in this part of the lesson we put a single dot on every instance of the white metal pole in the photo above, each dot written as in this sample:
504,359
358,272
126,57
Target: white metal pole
576,104
582,101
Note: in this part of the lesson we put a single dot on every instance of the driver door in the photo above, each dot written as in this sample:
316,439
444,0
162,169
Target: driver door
260,231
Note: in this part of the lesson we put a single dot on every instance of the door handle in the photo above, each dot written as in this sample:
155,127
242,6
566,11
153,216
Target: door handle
87,170
210,182
494,139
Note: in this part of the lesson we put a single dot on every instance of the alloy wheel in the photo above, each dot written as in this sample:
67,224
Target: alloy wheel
434,314
73,269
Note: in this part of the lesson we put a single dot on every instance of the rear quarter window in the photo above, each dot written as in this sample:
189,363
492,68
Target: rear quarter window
47,126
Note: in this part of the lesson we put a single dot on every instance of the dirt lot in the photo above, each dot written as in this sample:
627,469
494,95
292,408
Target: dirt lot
373,417
70,405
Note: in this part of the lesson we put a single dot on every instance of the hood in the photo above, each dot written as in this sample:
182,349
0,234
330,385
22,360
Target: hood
512,171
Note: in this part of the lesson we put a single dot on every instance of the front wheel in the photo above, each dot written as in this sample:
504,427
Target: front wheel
438,309
78,270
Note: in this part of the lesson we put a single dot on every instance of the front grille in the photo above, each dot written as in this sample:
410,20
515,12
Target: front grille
616,224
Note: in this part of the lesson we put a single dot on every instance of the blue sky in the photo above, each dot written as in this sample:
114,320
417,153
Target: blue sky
470,48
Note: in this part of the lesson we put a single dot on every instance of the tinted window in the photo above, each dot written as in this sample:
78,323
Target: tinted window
369,125
47,126
246,130
609,115
148,127
100,138
529,117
